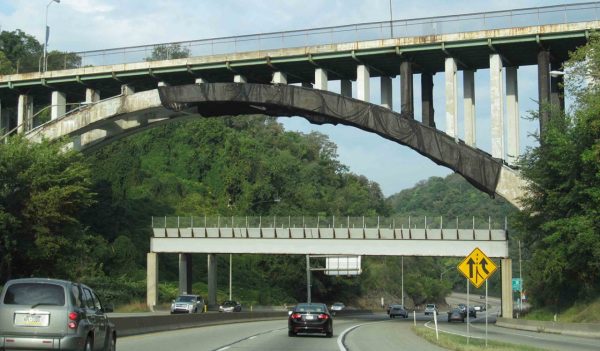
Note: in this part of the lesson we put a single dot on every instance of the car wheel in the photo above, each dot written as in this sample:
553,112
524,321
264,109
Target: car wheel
291,333
111,343
88,344
329,334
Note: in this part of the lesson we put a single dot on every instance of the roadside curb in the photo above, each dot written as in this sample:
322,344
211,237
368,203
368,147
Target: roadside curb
587,330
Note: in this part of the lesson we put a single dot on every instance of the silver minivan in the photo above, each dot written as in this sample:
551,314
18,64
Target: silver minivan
52,314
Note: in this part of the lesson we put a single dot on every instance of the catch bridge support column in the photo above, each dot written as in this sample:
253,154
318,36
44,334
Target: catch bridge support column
212,280
185,273
506,279
152,280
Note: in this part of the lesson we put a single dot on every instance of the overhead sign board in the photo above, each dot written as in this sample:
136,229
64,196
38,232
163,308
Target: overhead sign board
477,267
343,265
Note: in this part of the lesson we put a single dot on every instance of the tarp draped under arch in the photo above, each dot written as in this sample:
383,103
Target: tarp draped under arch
320,107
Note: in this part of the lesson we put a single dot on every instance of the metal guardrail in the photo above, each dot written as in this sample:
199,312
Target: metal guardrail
536,16
343,222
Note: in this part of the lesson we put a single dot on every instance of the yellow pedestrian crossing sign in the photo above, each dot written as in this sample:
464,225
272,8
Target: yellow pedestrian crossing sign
477,267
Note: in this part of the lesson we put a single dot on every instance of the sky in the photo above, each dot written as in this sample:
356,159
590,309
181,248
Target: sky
79,25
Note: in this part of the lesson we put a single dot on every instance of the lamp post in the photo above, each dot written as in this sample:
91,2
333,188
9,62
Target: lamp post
47,35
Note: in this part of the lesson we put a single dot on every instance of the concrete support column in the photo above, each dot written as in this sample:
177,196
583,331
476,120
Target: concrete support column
151,280
162,84
24,113
512,110
363,77
469,107
543,59
279,78
200,81
497,110
238,78
406,88
386,92
507,296
321,79
557,93
59,105
212,280
3,123
127,89
185,273
346,87
91,95
427,111
451,98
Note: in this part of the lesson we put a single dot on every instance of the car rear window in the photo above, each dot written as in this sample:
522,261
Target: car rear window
33,294
310,308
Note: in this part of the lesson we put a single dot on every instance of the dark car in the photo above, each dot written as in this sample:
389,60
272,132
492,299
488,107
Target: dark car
42,314
398,311
230,306
463,309
456,315
310,318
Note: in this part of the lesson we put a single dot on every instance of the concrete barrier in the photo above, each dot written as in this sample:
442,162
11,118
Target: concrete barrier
588,330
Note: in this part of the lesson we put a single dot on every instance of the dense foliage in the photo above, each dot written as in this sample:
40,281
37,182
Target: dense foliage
561,218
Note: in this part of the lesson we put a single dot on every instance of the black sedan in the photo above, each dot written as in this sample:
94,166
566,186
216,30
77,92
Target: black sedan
398,311
310,318
456,314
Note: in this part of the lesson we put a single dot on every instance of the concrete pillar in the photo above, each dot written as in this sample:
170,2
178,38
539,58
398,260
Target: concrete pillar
162,84
469,107
497,106
91,95
151,280
507,295
427,111
557,93
543,59
279,78
127,89
24,113
346,87
3,123
59,105
451,98
386,92
185,273
200,81
238,78
362,83
406,89
212,280
321,79
512,111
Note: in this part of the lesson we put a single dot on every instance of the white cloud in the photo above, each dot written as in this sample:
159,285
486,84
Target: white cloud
88,6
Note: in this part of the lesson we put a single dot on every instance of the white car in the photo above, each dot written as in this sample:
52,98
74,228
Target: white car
338,306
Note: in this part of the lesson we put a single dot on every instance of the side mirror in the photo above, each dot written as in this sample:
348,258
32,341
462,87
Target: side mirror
109,308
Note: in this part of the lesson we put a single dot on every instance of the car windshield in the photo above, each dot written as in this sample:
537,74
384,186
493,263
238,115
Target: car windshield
229,304
430,306
185,299
310,308
35,294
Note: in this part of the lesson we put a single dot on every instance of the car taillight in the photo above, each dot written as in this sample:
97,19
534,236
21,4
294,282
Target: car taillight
323,316
296,316
73,319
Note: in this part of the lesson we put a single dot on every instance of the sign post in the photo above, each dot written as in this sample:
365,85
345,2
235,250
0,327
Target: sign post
477,268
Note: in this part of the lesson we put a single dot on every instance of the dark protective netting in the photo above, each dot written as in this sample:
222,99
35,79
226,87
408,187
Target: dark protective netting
320,107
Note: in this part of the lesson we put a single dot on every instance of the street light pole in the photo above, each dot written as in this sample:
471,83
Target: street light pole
230,259
46,36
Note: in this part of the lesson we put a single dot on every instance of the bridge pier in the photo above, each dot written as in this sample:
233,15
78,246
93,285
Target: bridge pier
386,92
24,113
543,61
507,295
406,87
58,105
91,95
321,79
151,280
238,78
497,106
279,78
363,77
451,97
212,280
469,106
512,109
427,111
185,273
557,93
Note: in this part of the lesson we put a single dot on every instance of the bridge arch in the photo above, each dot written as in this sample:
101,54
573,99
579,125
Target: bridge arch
124,115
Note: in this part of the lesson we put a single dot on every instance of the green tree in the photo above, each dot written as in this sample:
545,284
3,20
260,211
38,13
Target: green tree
43,190
22,50
561,216
168,52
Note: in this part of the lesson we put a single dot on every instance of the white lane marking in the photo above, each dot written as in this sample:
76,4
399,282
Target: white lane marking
252,337
224,348
340,339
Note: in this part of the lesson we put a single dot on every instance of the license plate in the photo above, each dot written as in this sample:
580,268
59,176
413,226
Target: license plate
31,320
310,317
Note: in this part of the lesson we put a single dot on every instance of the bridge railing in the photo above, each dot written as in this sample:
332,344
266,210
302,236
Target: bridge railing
421,222
559,14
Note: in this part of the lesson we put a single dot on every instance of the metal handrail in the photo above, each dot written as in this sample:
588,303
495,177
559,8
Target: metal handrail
579,12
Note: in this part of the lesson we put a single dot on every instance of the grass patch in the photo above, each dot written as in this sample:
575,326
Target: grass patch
132,307
459,343
582,312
